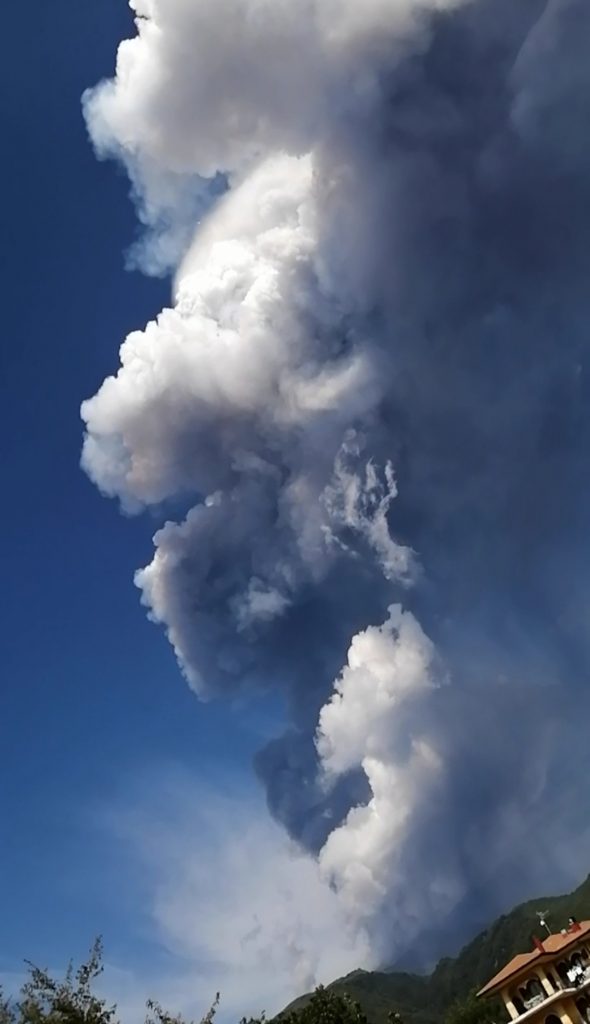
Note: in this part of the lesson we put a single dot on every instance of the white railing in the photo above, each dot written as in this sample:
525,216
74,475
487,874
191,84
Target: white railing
535,1001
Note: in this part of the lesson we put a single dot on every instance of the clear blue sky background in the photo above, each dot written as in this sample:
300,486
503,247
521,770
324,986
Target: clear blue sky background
91,696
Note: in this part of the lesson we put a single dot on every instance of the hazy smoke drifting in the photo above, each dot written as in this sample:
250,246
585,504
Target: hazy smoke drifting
372,393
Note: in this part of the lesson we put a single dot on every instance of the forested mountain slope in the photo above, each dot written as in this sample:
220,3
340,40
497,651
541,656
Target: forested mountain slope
424,999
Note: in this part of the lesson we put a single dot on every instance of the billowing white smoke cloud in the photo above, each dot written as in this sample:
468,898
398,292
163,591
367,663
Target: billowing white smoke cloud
358,314
247,392
371,723
389,667
203,89
248,362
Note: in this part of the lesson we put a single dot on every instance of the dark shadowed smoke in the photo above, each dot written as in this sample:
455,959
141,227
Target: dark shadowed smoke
471,196
466,199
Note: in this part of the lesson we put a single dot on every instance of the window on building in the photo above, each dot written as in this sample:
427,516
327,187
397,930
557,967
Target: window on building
562,970
532,993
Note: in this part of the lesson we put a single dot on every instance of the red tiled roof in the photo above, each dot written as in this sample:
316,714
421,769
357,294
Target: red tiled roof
551,944
513,967
555,943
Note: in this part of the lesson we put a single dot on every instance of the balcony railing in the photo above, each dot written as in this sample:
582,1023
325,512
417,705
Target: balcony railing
559,984
535,1000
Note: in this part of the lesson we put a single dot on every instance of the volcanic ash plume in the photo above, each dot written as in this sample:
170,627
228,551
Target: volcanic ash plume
371,397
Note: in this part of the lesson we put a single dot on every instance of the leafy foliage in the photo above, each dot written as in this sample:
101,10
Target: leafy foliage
43,1000
324,1006
71,1001
5,1010
157,1015
327,1007
471,1011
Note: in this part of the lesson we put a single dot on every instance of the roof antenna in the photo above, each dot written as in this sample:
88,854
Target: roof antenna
542,915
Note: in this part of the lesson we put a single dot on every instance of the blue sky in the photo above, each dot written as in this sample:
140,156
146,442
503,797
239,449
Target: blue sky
92,700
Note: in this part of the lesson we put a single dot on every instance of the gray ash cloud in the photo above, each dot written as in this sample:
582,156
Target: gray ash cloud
373,391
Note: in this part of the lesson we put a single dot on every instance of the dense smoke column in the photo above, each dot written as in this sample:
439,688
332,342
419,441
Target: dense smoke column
372,392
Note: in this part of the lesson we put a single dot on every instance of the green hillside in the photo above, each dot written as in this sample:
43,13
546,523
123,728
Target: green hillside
425,999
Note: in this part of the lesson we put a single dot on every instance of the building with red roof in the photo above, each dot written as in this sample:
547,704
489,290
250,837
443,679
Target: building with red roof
551,983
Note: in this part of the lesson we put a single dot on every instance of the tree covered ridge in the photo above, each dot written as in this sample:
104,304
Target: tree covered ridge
434,998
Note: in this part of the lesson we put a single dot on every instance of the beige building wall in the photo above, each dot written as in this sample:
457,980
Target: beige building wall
512,1011
569,1012
547,985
